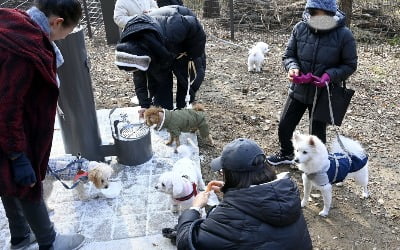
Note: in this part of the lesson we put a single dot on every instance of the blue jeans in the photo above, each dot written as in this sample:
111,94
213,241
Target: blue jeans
24,215
290,118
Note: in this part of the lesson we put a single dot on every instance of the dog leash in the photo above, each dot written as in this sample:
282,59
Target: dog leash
192,67
331,116
81,177
346,152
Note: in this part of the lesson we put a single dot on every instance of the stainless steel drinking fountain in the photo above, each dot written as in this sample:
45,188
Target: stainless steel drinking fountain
78,118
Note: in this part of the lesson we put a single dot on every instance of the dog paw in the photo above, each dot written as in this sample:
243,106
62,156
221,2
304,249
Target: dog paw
364,195
304,203
174,209
323,213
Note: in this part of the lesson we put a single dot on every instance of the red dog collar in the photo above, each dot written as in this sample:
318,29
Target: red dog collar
187,197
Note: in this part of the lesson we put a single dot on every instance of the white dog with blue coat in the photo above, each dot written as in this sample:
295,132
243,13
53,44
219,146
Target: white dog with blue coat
322,169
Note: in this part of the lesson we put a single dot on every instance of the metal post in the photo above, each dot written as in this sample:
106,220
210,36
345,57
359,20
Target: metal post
88,25
232,20
78,122
112,30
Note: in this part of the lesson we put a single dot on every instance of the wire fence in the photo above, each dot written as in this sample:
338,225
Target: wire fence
372,21
92,19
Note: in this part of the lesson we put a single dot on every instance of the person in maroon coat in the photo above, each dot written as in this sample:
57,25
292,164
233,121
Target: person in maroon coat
28,99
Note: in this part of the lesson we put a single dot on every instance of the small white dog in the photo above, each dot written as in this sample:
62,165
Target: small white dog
70,168
256,57
183,182
321,169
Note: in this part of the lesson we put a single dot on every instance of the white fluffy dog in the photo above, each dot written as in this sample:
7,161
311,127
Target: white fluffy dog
183,182
256,57
70,168
321,169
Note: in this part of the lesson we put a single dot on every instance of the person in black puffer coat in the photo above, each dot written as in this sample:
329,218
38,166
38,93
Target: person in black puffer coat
180,69
258,211
315,55
153,45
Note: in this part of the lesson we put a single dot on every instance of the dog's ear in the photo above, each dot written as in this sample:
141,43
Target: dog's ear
148,116
178,186
154,119
311,141
296,136
94,176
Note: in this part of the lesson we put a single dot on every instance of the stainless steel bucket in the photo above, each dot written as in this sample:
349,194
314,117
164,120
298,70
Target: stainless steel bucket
132,141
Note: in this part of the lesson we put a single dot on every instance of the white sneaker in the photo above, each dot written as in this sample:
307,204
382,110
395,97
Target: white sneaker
68,242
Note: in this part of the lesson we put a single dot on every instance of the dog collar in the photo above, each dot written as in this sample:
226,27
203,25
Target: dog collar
187,197
162,122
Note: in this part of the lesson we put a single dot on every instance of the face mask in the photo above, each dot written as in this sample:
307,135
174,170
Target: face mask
322,22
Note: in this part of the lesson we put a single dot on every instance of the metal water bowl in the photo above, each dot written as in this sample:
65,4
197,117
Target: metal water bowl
132,142
133,131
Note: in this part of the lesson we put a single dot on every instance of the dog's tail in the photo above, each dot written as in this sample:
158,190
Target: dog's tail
351,146
198,107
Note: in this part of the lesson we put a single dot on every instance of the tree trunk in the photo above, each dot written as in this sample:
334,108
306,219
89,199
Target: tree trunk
211,8
347,7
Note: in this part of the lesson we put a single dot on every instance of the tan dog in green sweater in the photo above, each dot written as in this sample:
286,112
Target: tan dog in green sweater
177,121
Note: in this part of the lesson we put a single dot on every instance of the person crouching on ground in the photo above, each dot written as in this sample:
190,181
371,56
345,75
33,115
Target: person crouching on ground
258,210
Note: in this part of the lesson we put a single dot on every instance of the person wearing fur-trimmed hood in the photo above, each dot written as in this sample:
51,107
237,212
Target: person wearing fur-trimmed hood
151,45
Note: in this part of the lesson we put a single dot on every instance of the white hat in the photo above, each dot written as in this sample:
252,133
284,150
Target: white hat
127,60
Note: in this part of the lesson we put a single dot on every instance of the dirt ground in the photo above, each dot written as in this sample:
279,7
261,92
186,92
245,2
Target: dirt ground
243,104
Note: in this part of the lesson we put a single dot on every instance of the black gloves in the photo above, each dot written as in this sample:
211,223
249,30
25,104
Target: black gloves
21,167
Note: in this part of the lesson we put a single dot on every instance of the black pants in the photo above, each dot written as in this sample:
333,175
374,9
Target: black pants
290,118
163,95
180,70
24,215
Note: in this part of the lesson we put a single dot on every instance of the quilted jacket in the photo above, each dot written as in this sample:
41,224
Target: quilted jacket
316,51
266,216
173,30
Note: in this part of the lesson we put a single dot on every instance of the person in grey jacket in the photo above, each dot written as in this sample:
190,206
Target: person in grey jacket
320,50
258,211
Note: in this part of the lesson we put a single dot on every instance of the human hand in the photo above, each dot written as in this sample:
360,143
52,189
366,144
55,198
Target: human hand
215,186
292,73
303,78
23,171
201,199
322,81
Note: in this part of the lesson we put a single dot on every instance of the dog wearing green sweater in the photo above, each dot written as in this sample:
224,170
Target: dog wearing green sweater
177,121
